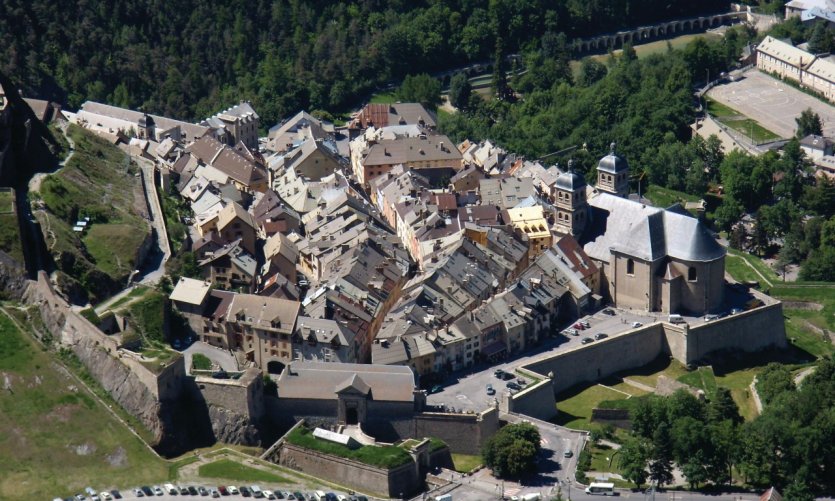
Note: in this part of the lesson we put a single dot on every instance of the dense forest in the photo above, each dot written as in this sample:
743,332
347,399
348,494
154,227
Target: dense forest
189,59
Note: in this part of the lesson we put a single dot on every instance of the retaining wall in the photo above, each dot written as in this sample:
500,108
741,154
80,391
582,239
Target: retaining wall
536,401
595,361
396,482
747,331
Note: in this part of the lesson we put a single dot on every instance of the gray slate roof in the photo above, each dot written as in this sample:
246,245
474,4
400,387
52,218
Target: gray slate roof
646,233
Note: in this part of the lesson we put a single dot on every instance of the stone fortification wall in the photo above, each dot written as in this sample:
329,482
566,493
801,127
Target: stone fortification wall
235,406
141,392
463,433
602,358
13,282
536,401
749,331
394,483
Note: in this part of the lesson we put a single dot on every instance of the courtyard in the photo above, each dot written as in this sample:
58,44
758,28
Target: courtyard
772,103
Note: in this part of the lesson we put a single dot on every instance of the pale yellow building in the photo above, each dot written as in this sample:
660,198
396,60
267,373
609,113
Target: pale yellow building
531,225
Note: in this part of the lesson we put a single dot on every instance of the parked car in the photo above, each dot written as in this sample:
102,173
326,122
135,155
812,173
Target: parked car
490,390
105,496
609,311
498,373
233,490
245,492
137,492
215,493
567,454
635,325
570,332
223,490
735,311
192,490
579,326
586,324
203,491
183,490
600,336
436,389
587,340
711,317
507,376
158,491
116,494
513,386
220,375
147,490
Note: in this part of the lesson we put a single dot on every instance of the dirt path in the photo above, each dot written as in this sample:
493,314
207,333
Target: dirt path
640,386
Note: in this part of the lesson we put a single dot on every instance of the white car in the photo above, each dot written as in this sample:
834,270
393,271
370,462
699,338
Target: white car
268,494
105,496
635,325
233,490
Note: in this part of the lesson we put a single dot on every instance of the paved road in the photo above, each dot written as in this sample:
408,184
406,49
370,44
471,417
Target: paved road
154,268
128,494
221,357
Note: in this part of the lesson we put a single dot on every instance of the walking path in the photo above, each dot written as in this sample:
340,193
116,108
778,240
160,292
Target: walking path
640,386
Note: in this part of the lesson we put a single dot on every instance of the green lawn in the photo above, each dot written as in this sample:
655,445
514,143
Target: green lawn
10,236
751,128
665,197
649,374
801,336
769,275
741,272
382,456
201,362
386,97
55,438
719,110
232,470
113,247
575,405
465,463
702,378
136,292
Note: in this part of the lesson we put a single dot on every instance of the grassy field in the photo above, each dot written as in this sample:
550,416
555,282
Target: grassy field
232,470
648,49
768,276
9,229
702,378
665,197
99,182
741,272
383,456
465,463
110,244
384,97
739,122
55,438
575,405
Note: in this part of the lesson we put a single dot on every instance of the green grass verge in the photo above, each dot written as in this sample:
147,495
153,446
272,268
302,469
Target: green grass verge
55,438
465,463
803,337
113,247
136,292
741,272
10,237
702,378
232,470
575,405
751,128
383,97
201,362
665,197
382,456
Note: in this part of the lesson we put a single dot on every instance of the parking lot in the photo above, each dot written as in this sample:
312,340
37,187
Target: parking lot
772,103
467,391
279,493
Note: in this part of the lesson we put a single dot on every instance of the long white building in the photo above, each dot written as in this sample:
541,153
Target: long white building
788,62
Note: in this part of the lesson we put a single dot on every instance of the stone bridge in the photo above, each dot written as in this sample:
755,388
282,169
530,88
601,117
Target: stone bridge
657,31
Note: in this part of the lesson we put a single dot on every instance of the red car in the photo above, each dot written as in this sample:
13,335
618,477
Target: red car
223,490
579,326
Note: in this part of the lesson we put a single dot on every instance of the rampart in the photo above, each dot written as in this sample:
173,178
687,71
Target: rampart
142,392
748,331
387,483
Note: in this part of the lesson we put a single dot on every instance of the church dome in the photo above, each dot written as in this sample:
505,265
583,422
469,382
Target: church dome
612,163
570,181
